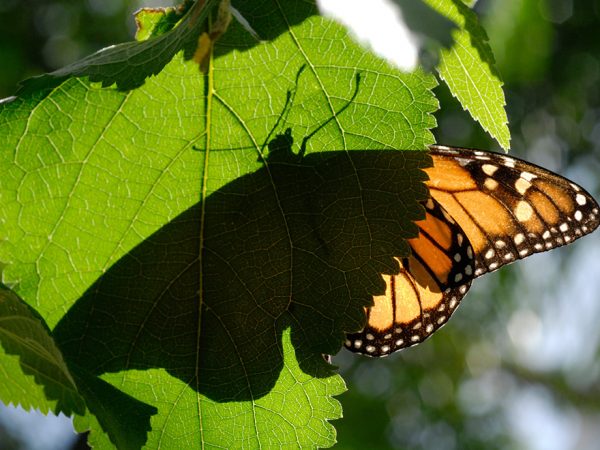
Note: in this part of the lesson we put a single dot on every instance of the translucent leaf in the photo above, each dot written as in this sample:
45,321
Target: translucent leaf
468,68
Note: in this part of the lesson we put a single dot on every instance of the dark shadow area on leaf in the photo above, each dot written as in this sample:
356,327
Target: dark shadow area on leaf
479,37
125,419
300,243
24,333
269,19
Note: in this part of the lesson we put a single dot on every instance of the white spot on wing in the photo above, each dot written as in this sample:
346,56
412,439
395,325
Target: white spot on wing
490,184
523,211
521,185
528,176
489,169
508,162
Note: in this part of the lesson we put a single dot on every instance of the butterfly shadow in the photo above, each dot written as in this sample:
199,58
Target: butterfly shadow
297,244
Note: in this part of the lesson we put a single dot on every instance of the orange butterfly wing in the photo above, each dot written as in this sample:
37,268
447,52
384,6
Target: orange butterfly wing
486,210
421,298
508,208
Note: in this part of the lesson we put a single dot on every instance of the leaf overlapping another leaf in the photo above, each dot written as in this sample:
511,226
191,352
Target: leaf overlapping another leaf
23,333
129,64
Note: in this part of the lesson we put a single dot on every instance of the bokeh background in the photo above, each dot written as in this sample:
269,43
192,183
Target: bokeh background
518,367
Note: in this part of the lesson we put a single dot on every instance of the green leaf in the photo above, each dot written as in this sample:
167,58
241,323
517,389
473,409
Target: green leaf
183,250
468,68
127,65
116,418
268,423
31,360
153,22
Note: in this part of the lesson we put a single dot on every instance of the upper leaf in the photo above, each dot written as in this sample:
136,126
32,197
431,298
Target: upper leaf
129,64
468,68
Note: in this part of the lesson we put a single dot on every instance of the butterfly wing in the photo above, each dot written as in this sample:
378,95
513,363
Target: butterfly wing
508,208
426,291
486,210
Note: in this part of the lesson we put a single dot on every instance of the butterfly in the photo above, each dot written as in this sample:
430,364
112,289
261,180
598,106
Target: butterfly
485,210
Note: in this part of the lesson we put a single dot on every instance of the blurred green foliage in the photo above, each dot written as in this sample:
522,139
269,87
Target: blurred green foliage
463,388
42,35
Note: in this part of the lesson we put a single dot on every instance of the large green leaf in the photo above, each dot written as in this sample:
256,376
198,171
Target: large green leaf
192,265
